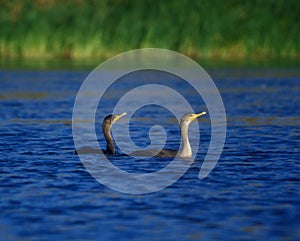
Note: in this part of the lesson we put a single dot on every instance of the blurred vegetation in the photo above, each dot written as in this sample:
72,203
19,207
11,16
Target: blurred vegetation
203,29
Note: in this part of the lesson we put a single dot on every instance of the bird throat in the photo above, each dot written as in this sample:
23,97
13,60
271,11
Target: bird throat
186,150
110,148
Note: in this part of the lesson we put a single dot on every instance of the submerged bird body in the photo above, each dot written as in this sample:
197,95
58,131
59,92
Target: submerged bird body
156,153
106,126
186,150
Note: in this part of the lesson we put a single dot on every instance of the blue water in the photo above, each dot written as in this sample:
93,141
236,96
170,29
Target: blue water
252,194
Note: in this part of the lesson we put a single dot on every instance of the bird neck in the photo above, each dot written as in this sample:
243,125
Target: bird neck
110,148
186,150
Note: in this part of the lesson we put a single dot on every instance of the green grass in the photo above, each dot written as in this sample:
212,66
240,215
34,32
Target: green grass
214,30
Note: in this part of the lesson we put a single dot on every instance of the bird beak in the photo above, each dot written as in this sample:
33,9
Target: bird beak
117,117
194,116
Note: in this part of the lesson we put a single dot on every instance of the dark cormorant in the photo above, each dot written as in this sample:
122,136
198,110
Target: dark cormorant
106,125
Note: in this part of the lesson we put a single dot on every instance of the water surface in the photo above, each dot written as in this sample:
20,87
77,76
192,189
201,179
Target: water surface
252,194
